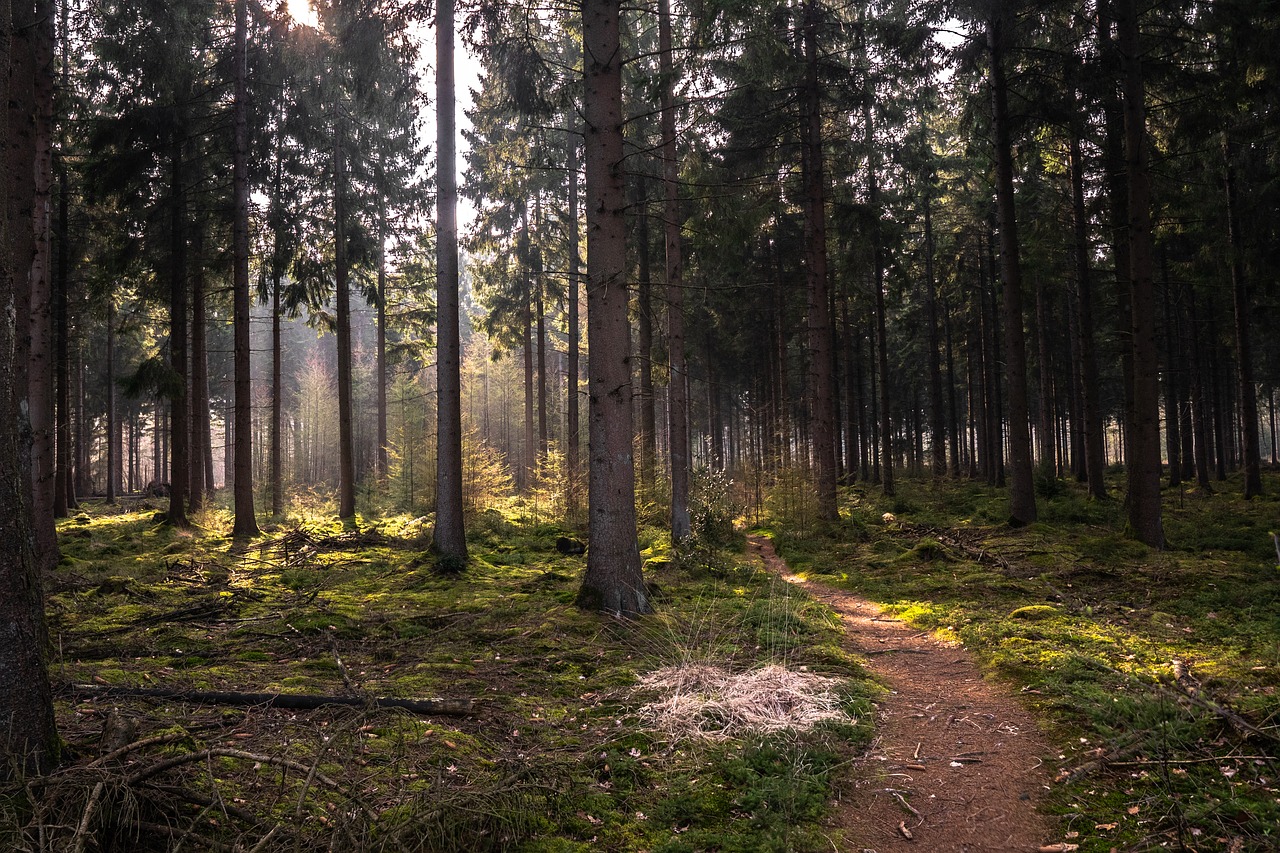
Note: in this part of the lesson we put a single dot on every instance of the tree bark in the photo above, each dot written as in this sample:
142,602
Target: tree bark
937,414
1252,455
644,336
1143,458
821,414
613,580
449,537
179,434
678,400
1086,348
28,739
572,425
885,470
342,312
245,523
1022,496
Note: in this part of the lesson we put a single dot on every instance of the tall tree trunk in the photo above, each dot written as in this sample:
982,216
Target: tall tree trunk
380,457
32,108
113,418
882,337
937,414
529,455
572,425
540,330
1143,457
644,337
1045,431
1022,496
1172,403
953,406
342,312
1250,451
28,739
613,580
449,537
1199,404
821,415
678,399
198,389
1086,349
179,434
277,405
245,523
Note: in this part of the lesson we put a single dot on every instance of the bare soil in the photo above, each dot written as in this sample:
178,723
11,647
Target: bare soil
957,764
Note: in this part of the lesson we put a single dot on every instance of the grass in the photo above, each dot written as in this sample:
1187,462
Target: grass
1157,671
556,759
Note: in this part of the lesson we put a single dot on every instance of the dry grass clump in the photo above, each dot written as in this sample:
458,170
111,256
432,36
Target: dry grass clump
703,701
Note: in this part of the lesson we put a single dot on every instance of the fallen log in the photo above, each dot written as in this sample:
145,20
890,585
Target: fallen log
292,701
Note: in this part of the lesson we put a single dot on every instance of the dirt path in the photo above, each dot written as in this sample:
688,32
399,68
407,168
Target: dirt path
964,756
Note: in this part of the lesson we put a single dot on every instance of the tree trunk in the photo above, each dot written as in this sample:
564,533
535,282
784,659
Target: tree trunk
678,402
449,537
380,457
644,338
277,405
1250,451
245,523
821,415
1086,347
179,434
882,337
572,425
540,330
529,455
28,739
1172,403
198,389
1143,457
937,415
613,580
1022,496
342,312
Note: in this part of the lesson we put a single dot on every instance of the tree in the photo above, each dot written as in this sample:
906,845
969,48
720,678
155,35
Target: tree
449,536
613,580
1143,461
245,524
1022,496
28,739
678,405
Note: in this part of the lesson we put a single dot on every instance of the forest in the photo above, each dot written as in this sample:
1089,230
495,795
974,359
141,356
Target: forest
723,425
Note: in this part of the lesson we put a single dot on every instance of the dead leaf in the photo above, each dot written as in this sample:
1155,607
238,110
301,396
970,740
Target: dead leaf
1105,827
1134,809
906,833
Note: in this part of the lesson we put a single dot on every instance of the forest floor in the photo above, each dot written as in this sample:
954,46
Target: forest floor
751,712
957,764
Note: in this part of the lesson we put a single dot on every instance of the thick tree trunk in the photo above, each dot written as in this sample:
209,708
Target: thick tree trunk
529,456
678,399
821,414
613,580
245,523
1143,457
1250,451
540,330
277,405
1022,496
113,417
28,740
449,537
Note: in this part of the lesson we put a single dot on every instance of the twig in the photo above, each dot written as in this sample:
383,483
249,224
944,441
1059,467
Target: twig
295,701
155,740
82,830
906,833
190,757
902,801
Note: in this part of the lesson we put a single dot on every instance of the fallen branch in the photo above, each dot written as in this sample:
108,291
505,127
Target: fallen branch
292,701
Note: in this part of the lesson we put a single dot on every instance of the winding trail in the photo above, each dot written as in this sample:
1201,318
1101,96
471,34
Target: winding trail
957,763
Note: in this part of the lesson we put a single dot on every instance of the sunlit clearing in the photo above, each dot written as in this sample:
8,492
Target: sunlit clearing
303,12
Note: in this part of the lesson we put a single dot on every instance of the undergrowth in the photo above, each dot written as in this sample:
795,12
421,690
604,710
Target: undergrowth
554,759
1158,671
